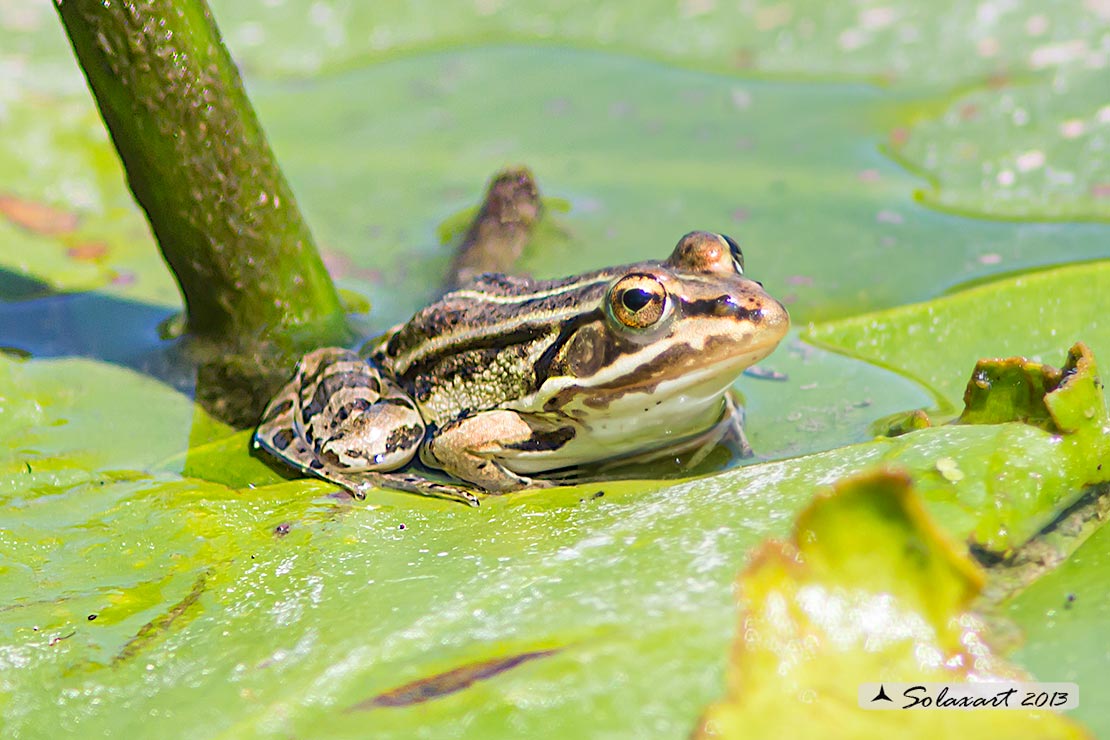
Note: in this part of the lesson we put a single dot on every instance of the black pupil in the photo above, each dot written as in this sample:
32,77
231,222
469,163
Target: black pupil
635,299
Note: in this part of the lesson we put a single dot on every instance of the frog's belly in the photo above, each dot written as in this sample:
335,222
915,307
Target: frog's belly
632,423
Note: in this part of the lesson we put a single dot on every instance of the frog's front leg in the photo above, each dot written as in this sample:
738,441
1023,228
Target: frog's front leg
468,448
340,420
728,432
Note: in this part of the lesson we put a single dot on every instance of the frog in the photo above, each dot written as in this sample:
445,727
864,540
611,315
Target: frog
511,383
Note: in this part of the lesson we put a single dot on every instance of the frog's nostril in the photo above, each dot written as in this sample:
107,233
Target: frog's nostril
775,315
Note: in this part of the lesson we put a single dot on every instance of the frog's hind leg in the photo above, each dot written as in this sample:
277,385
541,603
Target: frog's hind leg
339,420
351,417
279,431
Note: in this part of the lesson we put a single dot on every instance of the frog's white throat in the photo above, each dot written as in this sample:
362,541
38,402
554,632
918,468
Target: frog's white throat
636,420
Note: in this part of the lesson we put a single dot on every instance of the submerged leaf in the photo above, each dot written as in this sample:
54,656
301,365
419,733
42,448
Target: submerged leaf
37,217
866,590
155,628
449,682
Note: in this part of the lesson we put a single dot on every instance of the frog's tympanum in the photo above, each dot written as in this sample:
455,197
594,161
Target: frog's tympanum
512,383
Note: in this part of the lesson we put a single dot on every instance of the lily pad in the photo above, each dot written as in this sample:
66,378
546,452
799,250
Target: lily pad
642,154
814,202
1037,315
944,42
1057,617
1064,400
1033,150
867,590
51,410
939,42
319,608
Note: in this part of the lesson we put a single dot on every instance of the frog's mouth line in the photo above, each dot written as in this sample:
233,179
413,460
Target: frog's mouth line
695,381
678,367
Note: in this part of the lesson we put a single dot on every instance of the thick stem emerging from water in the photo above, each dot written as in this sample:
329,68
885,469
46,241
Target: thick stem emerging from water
199,165
502,228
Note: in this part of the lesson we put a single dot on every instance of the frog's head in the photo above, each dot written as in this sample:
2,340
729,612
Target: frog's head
676,332
699,299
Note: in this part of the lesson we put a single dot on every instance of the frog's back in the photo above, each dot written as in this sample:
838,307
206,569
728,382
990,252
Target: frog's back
478,346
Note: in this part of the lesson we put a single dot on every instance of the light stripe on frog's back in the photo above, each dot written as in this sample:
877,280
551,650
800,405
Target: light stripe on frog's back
515,292
473,319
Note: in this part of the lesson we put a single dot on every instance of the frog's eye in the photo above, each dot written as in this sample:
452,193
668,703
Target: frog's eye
708,253
638,301
734,250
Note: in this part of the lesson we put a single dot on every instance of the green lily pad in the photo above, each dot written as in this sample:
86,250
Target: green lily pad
1012,389
1064,400
52,410
1007,480
55,158
323,614
819,213
867,590
818,208
1029,151
1061,618
940,42
945,42
1064,419
1037,315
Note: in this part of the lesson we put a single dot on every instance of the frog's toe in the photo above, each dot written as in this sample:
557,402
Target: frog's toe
359,483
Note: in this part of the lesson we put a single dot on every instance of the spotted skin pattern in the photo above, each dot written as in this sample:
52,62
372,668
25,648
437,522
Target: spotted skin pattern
328,422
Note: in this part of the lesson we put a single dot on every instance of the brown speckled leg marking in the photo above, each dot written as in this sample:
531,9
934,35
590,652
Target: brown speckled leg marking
332,420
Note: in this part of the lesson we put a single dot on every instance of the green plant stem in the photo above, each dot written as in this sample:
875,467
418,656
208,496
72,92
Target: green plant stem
504,224
199,165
